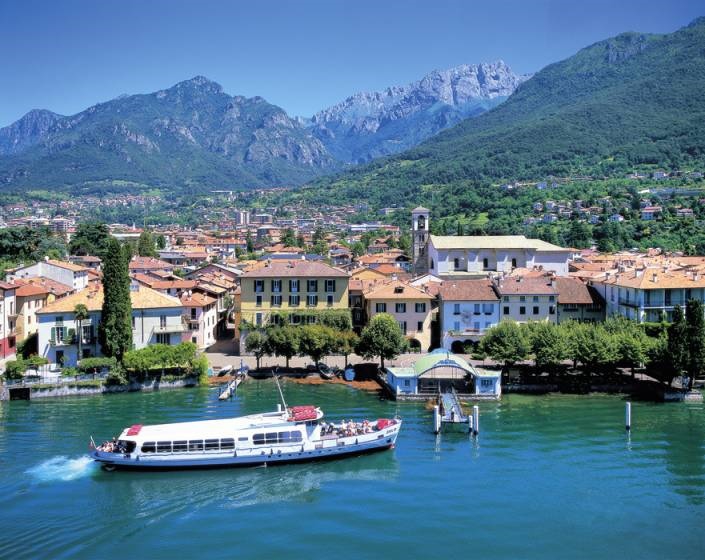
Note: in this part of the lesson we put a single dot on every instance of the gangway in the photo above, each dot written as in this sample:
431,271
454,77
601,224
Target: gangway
448,410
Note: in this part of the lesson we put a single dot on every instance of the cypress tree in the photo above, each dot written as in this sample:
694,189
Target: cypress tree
677,354
695,320
116,323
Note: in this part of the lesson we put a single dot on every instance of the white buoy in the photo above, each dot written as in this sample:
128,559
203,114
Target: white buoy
628,416
470,423
436,420
475,419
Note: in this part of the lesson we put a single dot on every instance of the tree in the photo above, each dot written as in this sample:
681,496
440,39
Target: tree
548,345
316,341
505,343
592,346
116,321
91,238
145,245
256,343
288,238
677,355
696,340
345,344
383,338
283,341
80,313
250,242
161,242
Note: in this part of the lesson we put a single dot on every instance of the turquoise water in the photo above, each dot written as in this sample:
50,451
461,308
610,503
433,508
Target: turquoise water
548,477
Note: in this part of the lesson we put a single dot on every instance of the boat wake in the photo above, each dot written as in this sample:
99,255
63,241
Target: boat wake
63,469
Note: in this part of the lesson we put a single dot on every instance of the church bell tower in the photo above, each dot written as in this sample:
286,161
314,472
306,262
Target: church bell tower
419,239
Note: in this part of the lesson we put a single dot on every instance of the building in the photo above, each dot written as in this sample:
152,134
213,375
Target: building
8,317
420,230
291,286
201,314
440,371
409,305
65,273
29,299
578,302
149,265
462,256
527,298
156,319
648,293
467,308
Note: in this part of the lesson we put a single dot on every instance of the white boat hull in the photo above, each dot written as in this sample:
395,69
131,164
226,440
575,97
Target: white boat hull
316,450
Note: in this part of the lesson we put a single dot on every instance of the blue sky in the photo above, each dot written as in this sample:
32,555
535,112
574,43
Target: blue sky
65,55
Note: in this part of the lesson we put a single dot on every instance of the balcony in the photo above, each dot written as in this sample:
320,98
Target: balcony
168,329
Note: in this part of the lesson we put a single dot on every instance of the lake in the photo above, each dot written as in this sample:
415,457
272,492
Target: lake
549,476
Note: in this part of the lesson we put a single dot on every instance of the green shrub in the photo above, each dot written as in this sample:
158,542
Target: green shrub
14,369
117,376
92,364
36,361
69,372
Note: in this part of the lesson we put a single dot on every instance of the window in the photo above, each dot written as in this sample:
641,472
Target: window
194,339
456,309
488,308
551,298
296,319
456,264
312,300
476,326
380,307
163,338
536,310
330,286
162,321
259,285
329,300
505,311
195,445
212,445
294,286
456,326
133,322
400,308
227,444
294,300
476,309
258,301
402,326
419,326
193,313
522,310
276,301
486,383
163,447
485,263
258,319
666,295
514,263
180,446
505,298
148,447
276,286
535,299
552,310
420,308
312,285
522,298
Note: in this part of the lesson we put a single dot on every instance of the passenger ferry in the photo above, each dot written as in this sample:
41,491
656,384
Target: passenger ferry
286,435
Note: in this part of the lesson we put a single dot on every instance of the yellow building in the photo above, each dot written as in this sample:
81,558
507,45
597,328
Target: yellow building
410,306
291,286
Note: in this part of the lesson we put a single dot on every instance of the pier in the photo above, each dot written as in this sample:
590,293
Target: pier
233,384
448,410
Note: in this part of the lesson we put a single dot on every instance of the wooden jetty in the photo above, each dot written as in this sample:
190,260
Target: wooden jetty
233,384
448,410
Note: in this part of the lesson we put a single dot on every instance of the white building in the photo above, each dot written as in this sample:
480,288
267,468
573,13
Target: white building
458,256
65,273
201,314
156,319
467,309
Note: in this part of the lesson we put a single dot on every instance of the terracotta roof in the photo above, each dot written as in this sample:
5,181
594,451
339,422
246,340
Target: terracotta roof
574,291
656,278
67,265
31,290
144,298
492,242
196,299
468,290
51,286
149,263
396,289
526,286
7,286
296,268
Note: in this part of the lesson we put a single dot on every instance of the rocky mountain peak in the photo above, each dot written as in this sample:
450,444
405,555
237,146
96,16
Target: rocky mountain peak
27,131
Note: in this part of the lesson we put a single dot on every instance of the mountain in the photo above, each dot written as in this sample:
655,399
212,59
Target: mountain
192,134
633,99
27,131
368,125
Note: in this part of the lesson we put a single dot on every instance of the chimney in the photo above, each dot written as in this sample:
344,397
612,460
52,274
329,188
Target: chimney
654,277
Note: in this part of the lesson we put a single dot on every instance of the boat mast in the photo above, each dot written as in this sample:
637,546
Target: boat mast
276,379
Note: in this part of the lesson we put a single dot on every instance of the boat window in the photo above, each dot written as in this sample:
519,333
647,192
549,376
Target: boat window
242,438
163,447
227,443
195,445
284,437
258,439
296,436
180,446
127,446
270,437
212,444
148,447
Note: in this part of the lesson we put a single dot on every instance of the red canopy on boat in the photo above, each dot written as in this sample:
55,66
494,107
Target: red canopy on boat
301,413
134,429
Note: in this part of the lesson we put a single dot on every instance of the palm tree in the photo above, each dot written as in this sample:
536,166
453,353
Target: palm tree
80,313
